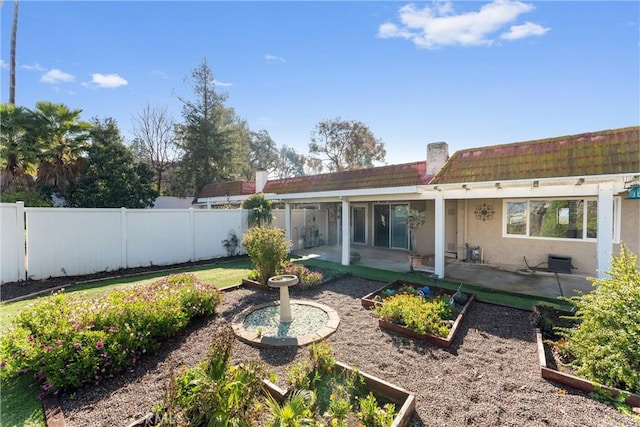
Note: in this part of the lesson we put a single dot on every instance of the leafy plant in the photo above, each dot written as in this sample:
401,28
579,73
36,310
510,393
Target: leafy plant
296,411
306,278
67,340
606,342
259,210
215,392
339,406
268,249
416,313
373,415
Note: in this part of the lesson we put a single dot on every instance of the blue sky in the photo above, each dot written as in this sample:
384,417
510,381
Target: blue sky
468,73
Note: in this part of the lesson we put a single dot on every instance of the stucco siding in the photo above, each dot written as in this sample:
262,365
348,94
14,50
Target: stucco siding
512,251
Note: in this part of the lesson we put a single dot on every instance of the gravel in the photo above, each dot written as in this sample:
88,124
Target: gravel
488,377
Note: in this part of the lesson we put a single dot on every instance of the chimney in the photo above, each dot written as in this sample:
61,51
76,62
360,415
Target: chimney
261,180
437,155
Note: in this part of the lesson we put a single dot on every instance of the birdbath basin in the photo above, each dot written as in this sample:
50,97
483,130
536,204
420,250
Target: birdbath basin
283,282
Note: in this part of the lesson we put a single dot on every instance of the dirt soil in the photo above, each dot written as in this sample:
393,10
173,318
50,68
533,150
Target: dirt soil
489,377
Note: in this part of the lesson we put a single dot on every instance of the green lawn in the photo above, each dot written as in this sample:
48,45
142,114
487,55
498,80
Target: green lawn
19,406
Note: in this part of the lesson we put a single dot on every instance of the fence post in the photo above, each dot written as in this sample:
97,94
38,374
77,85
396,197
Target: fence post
22,248
192,235
124,262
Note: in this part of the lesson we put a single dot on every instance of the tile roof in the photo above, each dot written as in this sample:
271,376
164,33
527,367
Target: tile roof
233,188
406,174
596,153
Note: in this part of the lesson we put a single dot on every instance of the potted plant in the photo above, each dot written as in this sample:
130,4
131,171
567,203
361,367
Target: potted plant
415,220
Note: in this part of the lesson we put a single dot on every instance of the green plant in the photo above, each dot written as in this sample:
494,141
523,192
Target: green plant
214,392
416,313
66,341
339,406
372,415
415,220
259,210
307,278
298,375
606,343
268,249
296,410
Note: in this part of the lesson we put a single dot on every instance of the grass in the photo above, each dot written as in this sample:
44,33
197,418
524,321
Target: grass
20,406
492,296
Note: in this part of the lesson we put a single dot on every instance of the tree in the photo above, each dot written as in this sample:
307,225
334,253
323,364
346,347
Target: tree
12,60
289,163
263,154
18,148
214,140
342,145
64,139
113,177
155,141
259,210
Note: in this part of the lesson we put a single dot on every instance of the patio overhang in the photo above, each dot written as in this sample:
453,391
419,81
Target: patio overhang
573,186
385,193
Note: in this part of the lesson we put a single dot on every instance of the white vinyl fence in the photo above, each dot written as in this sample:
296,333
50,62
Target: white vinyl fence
70,242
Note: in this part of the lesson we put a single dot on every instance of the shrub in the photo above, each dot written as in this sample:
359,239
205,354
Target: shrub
306,278
606,342
68,340
268,249
416,313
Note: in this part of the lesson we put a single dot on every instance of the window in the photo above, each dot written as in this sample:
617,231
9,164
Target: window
555,218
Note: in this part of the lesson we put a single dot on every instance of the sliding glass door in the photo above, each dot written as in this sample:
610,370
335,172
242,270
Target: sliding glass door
390,226
359,229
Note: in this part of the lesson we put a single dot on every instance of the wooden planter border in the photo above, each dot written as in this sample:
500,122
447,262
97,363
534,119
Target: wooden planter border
572,380
401,397
368,302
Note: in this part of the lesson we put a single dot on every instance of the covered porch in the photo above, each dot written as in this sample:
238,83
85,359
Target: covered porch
494,276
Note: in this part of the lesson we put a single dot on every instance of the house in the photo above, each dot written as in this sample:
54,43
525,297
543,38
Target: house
560,201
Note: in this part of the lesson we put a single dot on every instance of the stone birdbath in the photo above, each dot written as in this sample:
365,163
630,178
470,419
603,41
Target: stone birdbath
283,282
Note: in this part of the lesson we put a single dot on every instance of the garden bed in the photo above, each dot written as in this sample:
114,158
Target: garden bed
549,370
376,298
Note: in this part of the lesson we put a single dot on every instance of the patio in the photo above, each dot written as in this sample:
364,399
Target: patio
524,281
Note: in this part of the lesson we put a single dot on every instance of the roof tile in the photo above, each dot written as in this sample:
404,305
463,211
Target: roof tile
595,153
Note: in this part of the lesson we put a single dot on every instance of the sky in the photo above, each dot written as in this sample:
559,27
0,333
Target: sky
470,74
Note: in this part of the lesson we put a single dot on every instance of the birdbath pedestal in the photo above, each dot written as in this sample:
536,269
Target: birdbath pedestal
283,282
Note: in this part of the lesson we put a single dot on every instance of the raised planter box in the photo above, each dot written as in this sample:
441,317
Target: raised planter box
573,381
369,301
404,400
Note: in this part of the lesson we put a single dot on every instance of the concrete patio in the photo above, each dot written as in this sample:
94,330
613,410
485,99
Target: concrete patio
506,278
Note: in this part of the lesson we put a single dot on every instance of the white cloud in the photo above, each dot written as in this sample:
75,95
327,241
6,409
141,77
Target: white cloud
55,76
219,83
273,58
34,67
3,64
527,29
108,81
435,26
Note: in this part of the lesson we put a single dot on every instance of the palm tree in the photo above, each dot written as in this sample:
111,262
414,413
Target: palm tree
64,140
18,148
12,60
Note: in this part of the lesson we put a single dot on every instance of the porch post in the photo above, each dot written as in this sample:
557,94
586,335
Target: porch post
287,220
605,228
346,249
439,235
